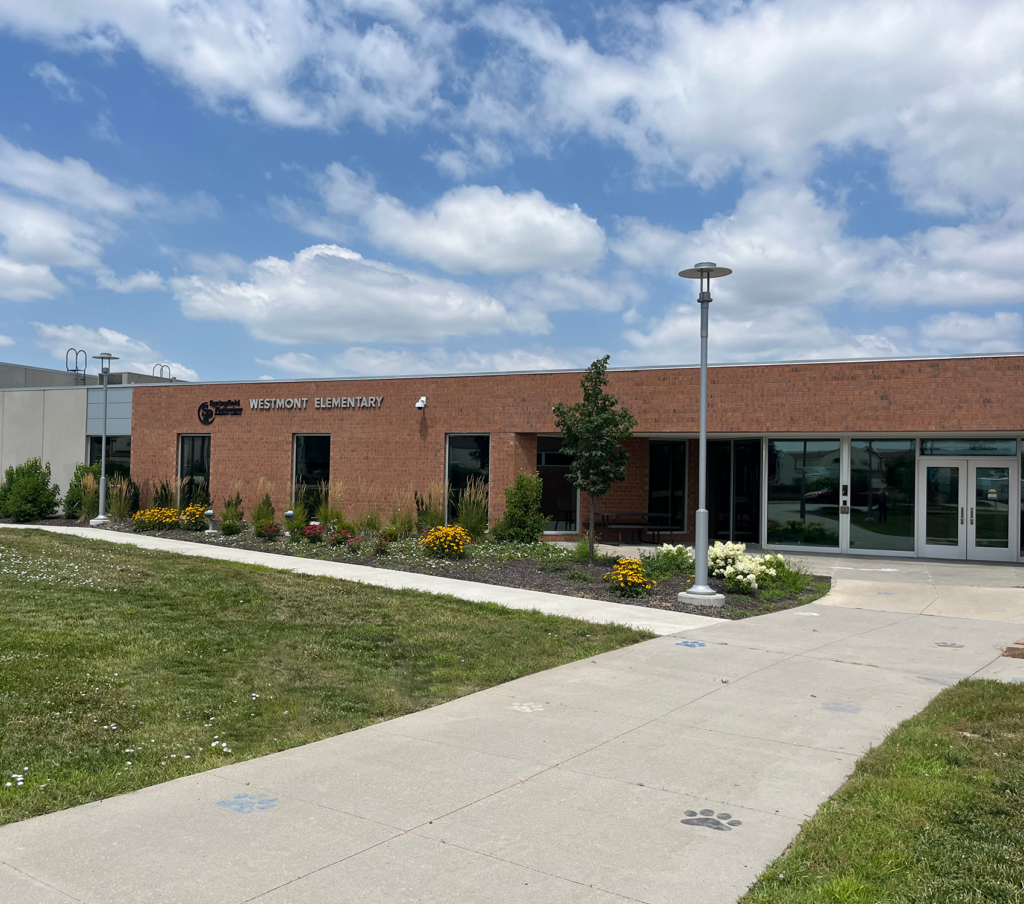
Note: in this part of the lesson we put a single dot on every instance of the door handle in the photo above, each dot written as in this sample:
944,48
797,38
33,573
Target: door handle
961,514
972,514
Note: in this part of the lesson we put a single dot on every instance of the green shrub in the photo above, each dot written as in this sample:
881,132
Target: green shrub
230,528
268,530
369,523
524,522
26,493
402,524
264,512
233,510
330,515
73,497
668,561
471,511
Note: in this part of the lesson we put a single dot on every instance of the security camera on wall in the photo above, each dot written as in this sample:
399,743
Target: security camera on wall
422,403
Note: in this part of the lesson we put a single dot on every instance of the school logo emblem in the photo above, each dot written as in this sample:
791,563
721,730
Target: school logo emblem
206,414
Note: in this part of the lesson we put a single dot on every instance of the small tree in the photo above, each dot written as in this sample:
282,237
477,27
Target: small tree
593,432
524,521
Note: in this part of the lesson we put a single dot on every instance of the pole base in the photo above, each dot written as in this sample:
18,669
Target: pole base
701,596
99,521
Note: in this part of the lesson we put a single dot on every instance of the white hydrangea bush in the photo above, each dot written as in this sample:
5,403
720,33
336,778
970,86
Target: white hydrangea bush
681,554
722,555
742,573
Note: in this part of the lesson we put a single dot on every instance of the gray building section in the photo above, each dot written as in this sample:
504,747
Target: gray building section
47,424
119,412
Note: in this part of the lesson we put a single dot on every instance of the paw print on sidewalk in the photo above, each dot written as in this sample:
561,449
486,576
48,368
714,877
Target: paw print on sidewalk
707,819
841,707
527,707
248,803
950,646
692,644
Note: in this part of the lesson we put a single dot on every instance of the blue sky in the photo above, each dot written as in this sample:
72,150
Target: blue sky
287,188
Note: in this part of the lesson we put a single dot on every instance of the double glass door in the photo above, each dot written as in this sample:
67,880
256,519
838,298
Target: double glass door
967,511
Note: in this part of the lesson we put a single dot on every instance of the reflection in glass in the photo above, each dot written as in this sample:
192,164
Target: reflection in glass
558,496
666,496
882,494
803,492
992,508
469,458
969,447
194,470
119,454
312,470
943,516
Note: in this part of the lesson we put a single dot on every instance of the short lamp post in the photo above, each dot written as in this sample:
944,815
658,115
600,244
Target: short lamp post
700,593
101,520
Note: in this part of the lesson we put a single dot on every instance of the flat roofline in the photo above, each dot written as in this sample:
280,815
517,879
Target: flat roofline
578,370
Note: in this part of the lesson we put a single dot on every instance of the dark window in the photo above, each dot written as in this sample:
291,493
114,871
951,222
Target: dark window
803,492
734,490
312,469
194,470
666,494
882,475
119,453
469,458
558,497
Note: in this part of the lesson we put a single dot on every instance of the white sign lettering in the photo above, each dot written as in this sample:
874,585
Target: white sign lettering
302,404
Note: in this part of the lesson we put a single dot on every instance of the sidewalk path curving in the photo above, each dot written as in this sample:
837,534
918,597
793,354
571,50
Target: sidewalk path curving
672,770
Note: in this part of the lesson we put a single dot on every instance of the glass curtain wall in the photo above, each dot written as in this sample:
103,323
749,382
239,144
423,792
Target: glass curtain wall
469,459
803,492
312,469
1021,534
734,490
194,470
882,494
666,494
558,496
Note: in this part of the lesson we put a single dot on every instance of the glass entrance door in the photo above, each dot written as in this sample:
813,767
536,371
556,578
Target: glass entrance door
990,529
967,509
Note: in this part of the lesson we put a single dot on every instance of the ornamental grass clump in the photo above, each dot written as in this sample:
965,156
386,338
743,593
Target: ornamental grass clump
446,542
629,578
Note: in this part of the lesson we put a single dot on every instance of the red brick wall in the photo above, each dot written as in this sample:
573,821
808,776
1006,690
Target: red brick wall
382,453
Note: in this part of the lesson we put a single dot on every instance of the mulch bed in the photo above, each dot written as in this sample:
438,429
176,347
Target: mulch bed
562,577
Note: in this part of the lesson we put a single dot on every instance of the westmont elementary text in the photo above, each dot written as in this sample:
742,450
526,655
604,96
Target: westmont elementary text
329,402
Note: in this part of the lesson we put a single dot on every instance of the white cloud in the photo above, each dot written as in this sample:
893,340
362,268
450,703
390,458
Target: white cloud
70,181
27,282
292,62
62,213
330,294
788,248
362,360
794,267
103,130
142,281
473,228
6,342
766,86
134,354
61,85
963,332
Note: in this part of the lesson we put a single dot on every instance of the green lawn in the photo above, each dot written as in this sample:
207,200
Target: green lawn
934,815
121,668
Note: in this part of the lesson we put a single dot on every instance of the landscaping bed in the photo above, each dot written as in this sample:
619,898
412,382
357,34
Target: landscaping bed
122,667
540,566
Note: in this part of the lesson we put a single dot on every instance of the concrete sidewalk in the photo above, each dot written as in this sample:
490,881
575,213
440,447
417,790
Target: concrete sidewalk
673,770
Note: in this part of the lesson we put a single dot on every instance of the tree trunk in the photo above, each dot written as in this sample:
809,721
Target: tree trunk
591,498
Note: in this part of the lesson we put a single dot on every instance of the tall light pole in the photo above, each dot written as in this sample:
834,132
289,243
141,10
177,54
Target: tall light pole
101,520
700,593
